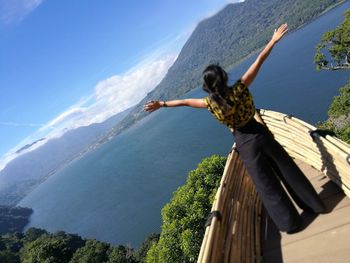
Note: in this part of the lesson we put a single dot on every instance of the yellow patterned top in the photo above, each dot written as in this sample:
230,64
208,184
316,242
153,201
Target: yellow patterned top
242,109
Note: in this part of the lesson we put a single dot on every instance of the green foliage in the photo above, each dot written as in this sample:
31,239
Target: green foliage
184,217
34,233
37,245
122,254
335,45
341,104
51,248
183,229
93,251
141,253
345,134
339,115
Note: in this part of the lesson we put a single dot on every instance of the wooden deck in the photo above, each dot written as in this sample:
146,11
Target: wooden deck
326,237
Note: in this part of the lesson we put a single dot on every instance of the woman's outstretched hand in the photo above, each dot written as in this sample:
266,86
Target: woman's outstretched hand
279,33
253,70
152,105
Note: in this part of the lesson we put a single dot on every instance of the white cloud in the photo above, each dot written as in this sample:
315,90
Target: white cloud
112,95
125,90
14,11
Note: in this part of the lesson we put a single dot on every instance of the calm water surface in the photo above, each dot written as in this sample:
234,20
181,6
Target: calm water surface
116,193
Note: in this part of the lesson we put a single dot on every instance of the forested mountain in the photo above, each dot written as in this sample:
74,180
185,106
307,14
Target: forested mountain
231,35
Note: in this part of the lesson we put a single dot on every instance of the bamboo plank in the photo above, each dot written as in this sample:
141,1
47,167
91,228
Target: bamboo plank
236,238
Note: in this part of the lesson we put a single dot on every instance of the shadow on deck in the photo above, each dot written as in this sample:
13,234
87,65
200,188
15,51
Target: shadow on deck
325,237
244,233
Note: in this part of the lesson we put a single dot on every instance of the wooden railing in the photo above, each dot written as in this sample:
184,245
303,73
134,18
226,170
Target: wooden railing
302,141
234,231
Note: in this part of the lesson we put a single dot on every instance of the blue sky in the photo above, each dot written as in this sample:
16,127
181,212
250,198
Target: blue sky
65,64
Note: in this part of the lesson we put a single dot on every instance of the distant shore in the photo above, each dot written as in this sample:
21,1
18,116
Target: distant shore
235,64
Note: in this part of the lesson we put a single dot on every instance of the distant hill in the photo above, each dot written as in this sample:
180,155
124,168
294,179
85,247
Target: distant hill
28,170
231,35
25,147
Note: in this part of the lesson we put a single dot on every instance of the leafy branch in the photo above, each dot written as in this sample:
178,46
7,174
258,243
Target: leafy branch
333,51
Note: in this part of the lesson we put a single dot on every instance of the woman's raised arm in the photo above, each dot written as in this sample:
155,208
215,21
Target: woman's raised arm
253,70
156,104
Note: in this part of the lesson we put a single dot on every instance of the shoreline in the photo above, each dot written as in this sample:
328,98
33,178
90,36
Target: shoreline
235,64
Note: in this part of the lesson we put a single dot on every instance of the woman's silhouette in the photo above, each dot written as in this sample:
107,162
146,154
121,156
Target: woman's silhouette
234,107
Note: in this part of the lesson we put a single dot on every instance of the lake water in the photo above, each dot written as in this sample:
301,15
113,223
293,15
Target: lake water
116,193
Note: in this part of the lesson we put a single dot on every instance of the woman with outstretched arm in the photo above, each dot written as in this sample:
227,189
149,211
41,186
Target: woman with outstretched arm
259,151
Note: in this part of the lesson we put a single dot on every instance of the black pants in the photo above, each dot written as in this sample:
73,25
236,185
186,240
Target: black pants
267,162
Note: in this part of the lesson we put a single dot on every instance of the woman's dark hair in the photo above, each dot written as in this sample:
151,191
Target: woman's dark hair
215,83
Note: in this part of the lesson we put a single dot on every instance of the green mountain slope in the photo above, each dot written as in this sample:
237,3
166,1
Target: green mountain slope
231,35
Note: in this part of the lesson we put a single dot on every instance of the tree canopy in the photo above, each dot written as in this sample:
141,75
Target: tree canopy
333,52
184,217
39,246
339,115
180,240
